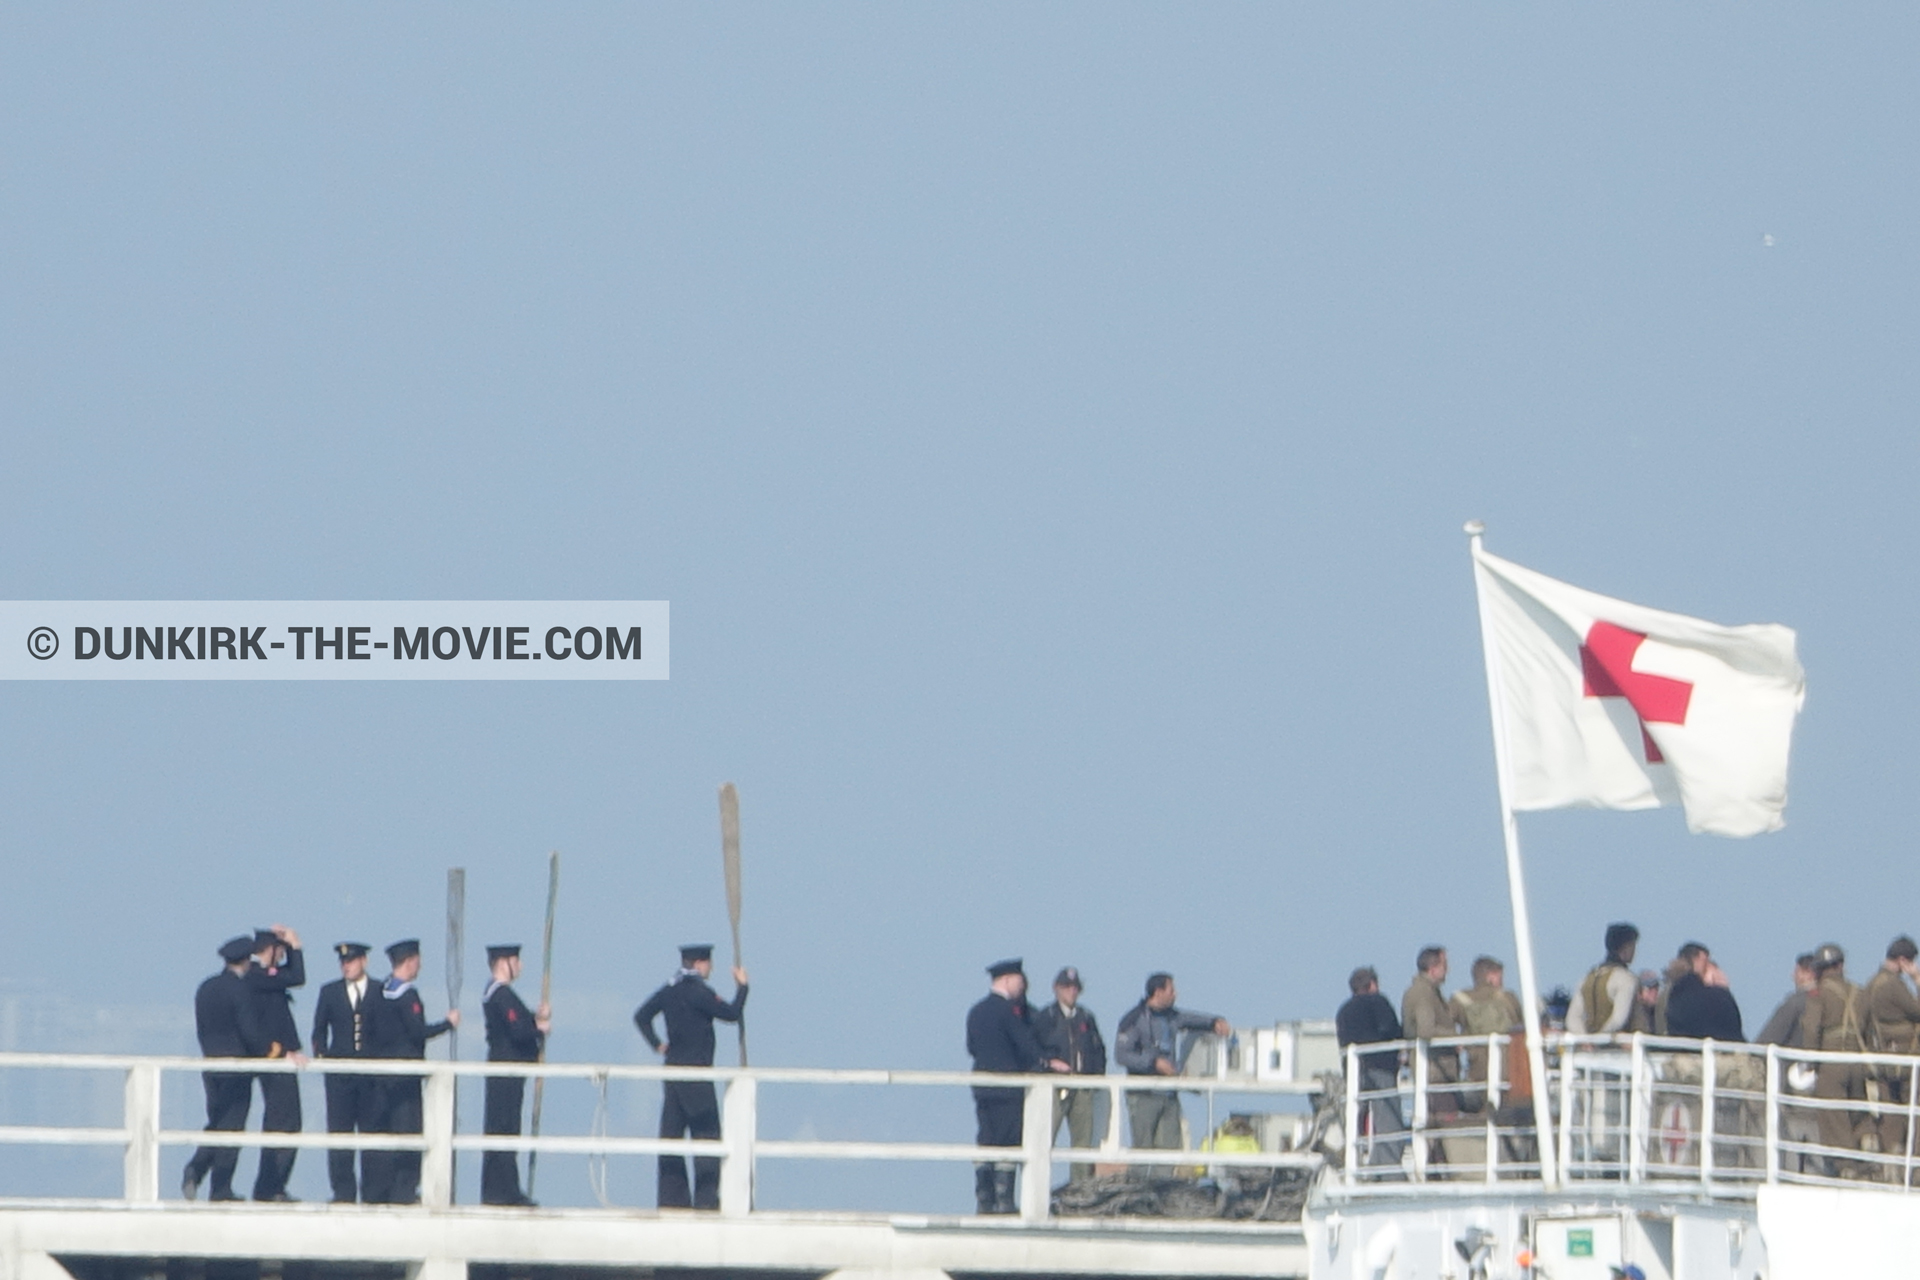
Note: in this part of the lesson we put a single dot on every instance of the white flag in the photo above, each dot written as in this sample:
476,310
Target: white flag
1611,705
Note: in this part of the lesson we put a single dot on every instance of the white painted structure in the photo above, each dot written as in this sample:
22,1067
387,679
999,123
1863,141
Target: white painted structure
439,1238
1690,1160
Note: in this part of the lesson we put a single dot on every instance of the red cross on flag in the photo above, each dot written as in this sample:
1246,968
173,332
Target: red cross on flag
1610,705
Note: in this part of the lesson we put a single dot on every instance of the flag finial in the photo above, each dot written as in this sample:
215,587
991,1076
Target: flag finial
1474,528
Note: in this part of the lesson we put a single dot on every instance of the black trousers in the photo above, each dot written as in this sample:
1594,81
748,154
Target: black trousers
393,1177
353,1106
500,1170
689,1109
229,1095
279,1113
999,1114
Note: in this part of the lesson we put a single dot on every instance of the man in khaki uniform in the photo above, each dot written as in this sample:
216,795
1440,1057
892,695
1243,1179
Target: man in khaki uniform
1835,1021
1894,1014
1487,1009
1424,1015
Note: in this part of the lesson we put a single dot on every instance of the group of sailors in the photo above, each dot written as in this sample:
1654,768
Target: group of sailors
246,1011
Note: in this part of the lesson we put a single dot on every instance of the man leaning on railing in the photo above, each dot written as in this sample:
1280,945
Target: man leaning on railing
1147,1044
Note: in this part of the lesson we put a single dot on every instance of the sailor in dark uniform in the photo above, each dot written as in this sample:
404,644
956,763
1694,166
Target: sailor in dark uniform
343,1028
400,1030
226,1015
688,1108
277,969
1000,1038
515,1033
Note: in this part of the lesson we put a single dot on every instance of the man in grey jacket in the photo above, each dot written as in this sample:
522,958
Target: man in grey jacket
1148,1044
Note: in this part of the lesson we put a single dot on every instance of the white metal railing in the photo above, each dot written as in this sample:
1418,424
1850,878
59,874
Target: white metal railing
1717,1118
143,1137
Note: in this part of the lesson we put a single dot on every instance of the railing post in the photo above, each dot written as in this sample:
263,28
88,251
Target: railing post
1353,1112
1709,1064
1495,1077
1637,1115
142,1117
739,1120
1418,1137
1568,1060
436,1170
1036,1141
1773,1114
1913,1078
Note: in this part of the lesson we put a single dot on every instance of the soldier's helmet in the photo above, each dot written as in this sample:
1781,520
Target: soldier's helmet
1828,956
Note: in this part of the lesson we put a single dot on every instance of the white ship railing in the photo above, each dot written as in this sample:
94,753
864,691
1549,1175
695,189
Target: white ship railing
143,1137
1713,1118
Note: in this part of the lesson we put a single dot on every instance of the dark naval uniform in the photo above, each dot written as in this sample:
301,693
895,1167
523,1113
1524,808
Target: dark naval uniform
226,1017
1000,1038
272,987
343,1028
400,1031
689,1108
511,1037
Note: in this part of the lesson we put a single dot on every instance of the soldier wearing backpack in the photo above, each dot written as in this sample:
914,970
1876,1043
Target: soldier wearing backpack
1485,1009
1894,1014
1835,1021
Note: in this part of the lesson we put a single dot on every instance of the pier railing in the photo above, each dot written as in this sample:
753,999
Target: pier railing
1715,1118
142,1136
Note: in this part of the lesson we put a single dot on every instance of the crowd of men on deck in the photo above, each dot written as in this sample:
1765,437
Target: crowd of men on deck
246,1011
1691,999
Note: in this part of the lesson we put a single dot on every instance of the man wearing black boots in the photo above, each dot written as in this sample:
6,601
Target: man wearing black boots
1000,1038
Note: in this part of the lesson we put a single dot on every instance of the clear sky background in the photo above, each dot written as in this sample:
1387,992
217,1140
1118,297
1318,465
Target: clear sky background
1052,428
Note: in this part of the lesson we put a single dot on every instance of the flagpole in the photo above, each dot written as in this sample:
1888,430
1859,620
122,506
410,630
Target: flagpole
1516,883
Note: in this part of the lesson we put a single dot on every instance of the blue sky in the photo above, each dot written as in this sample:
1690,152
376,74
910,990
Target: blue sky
1052,429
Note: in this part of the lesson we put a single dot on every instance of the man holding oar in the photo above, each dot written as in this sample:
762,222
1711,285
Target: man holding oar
689,1108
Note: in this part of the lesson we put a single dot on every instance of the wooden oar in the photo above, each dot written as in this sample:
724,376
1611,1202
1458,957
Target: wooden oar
730,856
546,998
456,963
